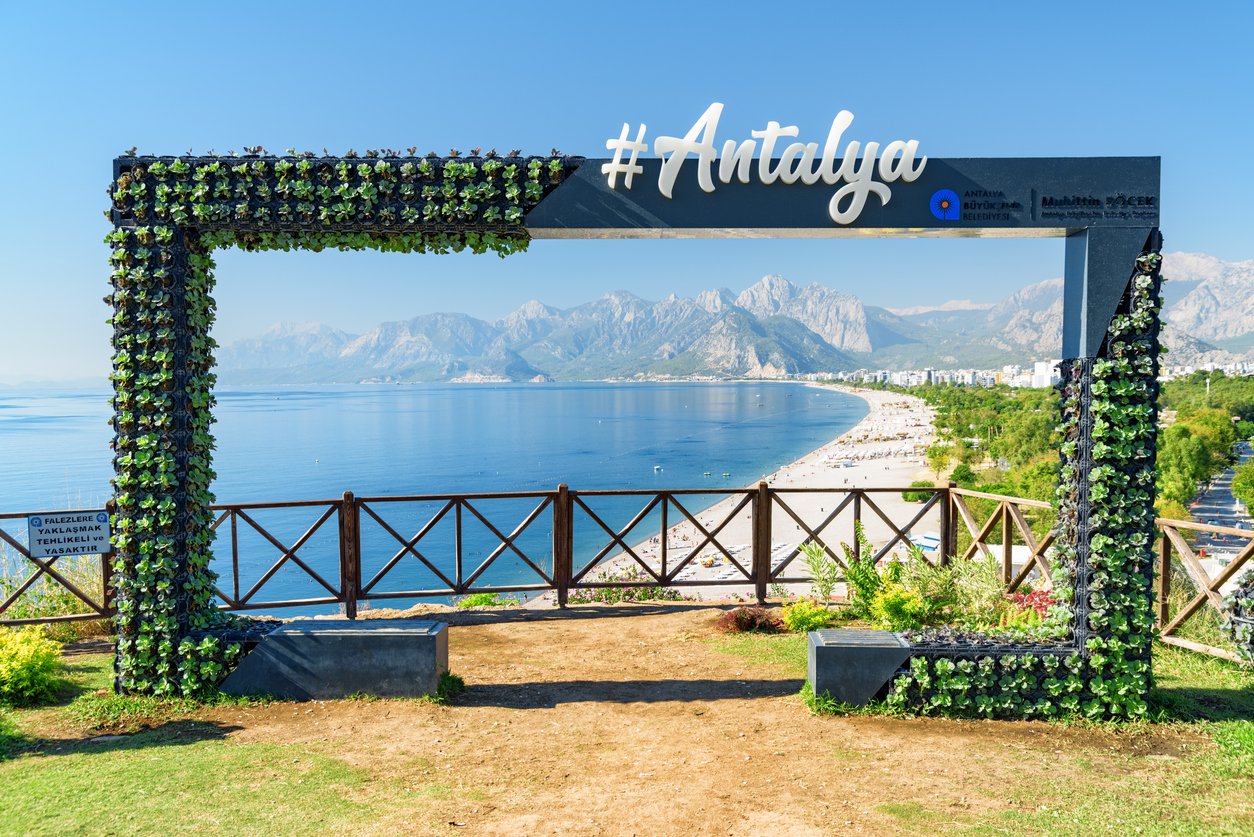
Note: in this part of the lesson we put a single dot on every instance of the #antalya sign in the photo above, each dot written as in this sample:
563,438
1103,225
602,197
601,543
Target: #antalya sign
855,166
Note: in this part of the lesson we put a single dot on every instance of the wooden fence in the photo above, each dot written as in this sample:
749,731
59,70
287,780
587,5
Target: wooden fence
1209,588
406,560
36,577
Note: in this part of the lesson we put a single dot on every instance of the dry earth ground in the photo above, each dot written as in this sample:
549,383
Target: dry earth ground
640,722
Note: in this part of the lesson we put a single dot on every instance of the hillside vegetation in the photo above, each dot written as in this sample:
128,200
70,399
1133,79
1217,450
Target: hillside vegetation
1004,441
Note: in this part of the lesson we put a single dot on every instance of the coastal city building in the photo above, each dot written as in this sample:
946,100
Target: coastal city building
1040,375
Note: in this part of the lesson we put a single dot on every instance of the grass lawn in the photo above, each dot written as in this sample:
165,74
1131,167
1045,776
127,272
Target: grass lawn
171,773
1205,793
503,757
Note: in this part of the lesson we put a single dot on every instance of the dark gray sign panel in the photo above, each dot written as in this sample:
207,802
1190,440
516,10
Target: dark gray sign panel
1028,197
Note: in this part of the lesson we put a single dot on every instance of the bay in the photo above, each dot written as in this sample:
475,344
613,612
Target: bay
304,443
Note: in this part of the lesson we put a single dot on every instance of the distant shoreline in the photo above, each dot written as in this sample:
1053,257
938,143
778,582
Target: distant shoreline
101,386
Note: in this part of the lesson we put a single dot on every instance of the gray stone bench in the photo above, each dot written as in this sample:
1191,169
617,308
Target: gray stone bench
316,659
853,665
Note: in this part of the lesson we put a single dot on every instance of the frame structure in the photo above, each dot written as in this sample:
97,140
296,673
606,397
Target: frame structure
170,213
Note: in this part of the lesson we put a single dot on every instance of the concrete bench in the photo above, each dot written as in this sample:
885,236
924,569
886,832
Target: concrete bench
316,659
854,665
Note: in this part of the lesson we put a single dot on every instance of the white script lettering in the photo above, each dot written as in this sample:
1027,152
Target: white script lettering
856,170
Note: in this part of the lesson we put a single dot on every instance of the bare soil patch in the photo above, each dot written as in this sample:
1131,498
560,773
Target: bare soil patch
634,722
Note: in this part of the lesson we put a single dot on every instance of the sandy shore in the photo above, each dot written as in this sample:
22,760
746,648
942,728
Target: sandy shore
884,450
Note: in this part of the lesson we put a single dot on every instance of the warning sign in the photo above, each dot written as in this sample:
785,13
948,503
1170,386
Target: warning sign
68,533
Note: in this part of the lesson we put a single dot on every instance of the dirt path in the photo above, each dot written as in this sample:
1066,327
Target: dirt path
635,723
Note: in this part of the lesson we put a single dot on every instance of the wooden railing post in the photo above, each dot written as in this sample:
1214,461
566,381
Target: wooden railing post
762,541
563,543
949,531
350,554
1007,548
106,567
1164,578
857,518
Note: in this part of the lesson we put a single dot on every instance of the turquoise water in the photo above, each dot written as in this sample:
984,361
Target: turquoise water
302,443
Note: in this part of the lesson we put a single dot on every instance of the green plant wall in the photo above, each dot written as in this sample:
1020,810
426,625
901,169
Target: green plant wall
1240,621
1104,557
169,215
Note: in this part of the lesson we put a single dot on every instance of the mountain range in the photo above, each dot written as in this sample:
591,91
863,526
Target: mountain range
772,328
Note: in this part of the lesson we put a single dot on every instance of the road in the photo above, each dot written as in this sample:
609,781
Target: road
1216,506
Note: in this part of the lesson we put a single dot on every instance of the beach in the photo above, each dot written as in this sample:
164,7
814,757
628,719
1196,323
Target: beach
884,450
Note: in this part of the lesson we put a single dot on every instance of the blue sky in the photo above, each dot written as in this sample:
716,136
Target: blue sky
82,82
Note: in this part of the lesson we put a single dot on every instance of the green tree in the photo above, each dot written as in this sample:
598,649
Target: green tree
1025,434
1243,484
938,458
1216,429
1197,446
1182,462
966,453
1038,478
1234,396
964,475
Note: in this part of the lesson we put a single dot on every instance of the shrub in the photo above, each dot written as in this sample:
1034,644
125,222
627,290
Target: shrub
805,615
483,600
897,608
1239,623
449,687
29,663
933,584
749,619
1027,619
864,579
824,571
47,597
964,475
648,591
918,496
979,595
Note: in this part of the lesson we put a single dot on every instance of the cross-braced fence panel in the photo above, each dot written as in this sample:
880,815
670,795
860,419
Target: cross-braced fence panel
1194,581
270,555
412,547
830,519
660,538
54,589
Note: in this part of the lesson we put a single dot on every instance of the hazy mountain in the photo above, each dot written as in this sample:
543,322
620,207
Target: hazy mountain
531,321
773,327
838,318
951,305
742,345
1027,325
431,338
285,345
297,353
1219,306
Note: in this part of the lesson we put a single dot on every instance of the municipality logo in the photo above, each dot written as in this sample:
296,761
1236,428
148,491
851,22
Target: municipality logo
946,206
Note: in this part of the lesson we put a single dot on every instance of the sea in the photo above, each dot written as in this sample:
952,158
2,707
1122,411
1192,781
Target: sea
298,443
